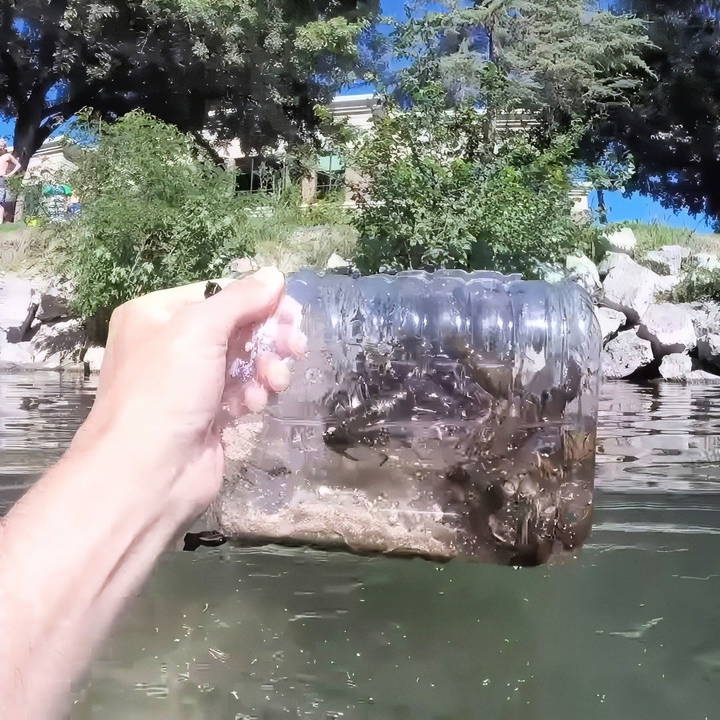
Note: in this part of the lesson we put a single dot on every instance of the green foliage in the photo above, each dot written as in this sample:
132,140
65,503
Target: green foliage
155,214
560,59
671,126
654,235
438,193
250,69
698,284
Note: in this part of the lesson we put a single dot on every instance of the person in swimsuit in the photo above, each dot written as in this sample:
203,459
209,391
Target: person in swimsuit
9,166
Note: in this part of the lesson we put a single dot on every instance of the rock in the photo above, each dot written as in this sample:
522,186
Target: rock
667,260
53,305
629,288
702,376
622,240
669,328
13,354
665,284
676,366
625,355
338,264
705,317
709,349
697,377
707,261
93,358
58,344
582,270
610,260
610,321
238,266
16,296
552,273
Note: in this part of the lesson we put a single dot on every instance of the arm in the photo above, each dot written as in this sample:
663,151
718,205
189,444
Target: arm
146,462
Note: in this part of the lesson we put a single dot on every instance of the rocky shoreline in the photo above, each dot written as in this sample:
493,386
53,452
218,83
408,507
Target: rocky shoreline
644,336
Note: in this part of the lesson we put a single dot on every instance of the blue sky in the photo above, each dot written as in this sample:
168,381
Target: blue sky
636,207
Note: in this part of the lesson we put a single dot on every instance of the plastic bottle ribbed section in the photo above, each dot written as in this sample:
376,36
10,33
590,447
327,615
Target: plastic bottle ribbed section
438,414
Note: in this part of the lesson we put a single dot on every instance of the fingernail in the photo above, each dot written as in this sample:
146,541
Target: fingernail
270,276
279,377
297,343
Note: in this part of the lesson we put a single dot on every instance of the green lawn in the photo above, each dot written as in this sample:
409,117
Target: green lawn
653,235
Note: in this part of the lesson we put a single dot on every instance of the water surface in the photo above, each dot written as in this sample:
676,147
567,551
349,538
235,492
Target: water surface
628,630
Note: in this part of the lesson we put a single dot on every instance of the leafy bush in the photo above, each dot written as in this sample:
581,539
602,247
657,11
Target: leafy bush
439,192
156,213
698,284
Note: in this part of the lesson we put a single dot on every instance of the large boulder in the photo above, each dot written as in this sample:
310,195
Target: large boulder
709,349
629,288
705,317
676,366
625,355
610,260
58,344
669,328
53,303
16,354
18,306
582,270
667,260
610,321
622,240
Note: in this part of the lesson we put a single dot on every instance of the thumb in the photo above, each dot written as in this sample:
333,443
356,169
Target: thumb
244,302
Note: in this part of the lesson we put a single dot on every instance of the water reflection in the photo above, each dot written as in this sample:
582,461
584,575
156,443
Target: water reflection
39,413
631,629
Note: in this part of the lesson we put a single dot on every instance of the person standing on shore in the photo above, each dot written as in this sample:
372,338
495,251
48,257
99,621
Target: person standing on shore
9,166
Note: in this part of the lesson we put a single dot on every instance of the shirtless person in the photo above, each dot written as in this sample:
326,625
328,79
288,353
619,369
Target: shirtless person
7,160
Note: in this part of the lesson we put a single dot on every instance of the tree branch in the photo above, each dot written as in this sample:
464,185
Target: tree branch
204,143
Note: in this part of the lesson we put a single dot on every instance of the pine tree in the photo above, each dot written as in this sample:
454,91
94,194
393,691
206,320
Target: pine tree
561,59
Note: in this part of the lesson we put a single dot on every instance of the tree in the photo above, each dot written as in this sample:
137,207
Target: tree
559,59
251,69
672,127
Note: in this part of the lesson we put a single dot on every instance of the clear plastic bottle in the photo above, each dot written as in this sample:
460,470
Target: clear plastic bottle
440,415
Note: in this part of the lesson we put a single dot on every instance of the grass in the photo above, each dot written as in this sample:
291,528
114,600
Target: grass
24,250
652,236
307,246
11,227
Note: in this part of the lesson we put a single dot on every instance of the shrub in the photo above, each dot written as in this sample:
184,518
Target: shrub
156,213
438,192
698,284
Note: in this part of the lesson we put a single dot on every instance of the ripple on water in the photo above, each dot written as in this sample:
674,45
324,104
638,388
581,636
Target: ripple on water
629,629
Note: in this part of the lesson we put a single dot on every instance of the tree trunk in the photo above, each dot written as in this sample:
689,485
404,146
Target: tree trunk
29,137
602,207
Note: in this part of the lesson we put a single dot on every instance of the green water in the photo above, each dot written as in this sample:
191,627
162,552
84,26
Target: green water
629,630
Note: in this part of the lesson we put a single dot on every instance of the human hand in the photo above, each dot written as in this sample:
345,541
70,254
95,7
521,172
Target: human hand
164,380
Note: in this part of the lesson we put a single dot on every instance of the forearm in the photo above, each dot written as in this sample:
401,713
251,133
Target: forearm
73,550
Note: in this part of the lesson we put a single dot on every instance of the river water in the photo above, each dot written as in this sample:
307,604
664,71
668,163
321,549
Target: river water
627,631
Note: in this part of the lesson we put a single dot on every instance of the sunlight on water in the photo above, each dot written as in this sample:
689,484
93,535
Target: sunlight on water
631,629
